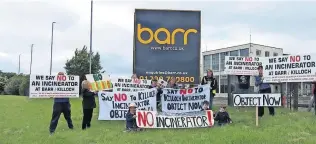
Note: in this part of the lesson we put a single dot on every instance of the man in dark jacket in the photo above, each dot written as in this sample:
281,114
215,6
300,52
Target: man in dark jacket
61,105
210,80
88,104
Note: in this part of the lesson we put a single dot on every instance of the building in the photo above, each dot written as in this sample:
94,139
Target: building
215,60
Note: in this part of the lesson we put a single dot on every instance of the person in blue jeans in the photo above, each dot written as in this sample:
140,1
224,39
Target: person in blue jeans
61,105
210,80
263,88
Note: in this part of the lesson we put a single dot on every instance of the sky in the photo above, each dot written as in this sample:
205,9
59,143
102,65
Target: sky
288,25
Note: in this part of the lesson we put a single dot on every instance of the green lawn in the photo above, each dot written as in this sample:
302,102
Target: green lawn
26,121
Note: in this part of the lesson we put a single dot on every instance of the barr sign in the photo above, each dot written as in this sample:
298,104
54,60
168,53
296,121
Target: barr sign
167,43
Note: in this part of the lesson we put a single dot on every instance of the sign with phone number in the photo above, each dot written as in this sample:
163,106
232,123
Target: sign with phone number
167,78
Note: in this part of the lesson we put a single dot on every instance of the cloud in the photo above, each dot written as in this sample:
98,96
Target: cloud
286,25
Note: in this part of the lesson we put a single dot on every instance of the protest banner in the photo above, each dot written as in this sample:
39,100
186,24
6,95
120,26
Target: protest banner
57,86
99,82
129,85
235,65
114,105
184,100
151,119
292,68
265,100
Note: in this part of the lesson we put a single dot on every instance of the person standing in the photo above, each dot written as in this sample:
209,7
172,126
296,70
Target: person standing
263,88
313,99
172,83
159,90
61,105
88,104
210,80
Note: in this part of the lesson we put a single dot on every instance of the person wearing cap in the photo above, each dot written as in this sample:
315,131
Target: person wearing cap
88,104
159,90
131,118
61,105
263,88
210,80
222,116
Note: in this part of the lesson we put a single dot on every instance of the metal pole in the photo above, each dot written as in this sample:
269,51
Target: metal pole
31,59
51,49
90,54
19,63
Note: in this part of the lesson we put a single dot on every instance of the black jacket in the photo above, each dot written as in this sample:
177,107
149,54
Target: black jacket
222,117
88,101
158,95
213,81
130,121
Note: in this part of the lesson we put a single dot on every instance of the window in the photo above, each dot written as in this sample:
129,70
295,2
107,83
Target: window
244,52
266,54
215,62
234,53
223,54
258,52
275,54
206,62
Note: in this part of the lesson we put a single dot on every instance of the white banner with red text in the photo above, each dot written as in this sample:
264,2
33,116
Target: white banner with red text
236,65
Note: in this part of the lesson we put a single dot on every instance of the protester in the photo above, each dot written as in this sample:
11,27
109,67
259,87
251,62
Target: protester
209,79
206,106
131,118
222,117
88,104
154,84
61,105
313,100
134,76
263,88
172,83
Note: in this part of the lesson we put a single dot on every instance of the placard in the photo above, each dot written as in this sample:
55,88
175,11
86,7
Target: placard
99,82
151,119
130,85
235,65
54,86
114,105
257,99
292,68
184,100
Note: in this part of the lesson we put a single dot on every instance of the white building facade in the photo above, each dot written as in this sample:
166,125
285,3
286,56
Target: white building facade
215,60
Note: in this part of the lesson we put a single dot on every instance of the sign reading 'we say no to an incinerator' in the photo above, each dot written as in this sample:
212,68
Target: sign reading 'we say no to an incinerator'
292,68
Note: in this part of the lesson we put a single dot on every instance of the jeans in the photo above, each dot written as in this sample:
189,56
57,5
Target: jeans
58,108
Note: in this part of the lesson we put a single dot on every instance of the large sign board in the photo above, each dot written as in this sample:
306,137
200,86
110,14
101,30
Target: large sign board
129,85
167,43
291,68
257,99
235,65
54,86
152,119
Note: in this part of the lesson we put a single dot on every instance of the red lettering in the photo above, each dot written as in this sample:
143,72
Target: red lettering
61,78
142,119
209,115
120,97
186,91
295,58
248,59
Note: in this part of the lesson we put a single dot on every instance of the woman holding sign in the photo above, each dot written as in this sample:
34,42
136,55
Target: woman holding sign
263,88
210,80
88,104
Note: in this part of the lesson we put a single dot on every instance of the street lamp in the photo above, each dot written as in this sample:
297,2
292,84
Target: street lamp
51,49
19,64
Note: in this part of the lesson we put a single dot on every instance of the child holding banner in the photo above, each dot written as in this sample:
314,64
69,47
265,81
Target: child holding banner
88,104
263,88
210,80
131,118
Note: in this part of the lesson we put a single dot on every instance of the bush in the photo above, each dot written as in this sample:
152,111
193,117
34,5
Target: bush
13,84
3,81
23,88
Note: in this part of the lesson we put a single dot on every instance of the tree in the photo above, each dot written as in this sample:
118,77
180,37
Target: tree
13,84
79,64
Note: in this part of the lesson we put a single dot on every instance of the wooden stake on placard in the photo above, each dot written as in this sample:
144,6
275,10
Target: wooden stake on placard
257,119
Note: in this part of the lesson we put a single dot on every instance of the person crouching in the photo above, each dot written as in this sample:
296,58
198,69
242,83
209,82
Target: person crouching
222,117
131,118
88,104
